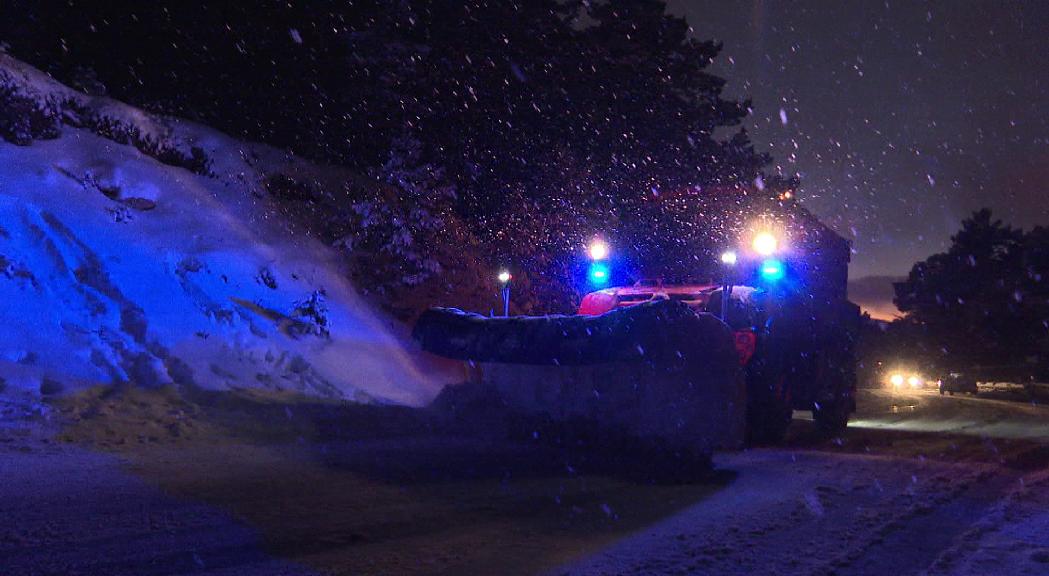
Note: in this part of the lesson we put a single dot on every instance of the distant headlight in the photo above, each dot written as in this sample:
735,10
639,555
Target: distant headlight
915,382
896,380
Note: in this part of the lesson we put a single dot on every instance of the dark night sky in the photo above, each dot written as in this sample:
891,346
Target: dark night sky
901,117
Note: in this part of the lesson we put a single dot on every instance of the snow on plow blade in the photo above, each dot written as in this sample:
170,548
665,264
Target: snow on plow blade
657,370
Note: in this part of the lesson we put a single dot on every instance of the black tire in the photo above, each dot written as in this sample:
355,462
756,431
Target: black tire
830,420
951,392
768,423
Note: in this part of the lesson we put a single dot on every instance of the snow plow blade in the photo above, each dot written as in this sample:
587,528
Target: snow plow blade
655,371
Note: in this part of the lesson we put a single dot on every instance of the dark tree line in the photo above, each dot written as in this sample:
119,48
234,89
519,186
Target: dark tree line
983,302
533,125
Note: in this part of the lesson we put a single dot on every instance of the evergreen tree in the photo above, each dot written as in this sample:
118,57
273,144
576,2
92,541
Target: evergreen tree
978,302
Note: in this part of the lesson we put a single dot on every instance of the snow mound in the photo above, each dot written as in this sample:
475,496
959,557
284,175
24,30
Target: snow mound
121,262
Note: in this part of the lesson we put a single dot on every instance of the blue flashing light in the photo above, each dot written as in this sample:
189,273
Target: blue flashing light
772,270
598,274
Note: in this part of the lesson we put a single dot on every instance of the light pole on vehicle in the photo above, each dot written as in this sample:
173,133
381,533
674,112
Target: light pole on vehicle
728,260
765,244
598,273
597,250
504,290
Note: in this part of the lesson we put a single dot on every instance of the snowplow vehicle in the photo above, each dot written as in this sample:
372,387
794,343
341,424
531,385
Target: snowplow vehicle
659,362
796,353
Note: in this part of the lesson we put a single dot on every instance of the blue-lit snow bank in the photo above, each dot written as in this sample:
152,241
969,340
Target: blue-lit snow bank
115,267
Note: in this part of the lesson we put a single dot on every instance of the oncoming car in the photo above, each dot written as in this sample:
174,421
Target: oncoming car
906,380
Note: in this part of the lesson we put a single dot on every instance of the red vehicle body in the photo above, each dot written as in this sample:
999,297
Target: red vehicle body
697,296
601,301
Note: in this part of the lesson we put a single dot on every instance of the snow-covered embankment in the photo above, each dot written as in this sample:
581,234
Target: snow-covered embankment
115,266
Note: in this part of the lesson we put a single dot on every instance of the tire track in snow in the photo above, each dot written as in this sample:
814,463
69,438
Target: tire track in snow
915,539
790,513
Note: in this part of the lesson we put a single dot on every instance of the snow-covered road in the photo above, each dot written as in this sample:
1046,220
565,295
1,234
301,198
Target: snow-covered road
804,513
942,486
927,411
960,491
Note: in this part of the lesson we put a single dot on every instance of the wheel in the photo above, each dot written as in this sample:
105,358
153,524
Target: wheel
769,409
951,392
832,419
767,423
